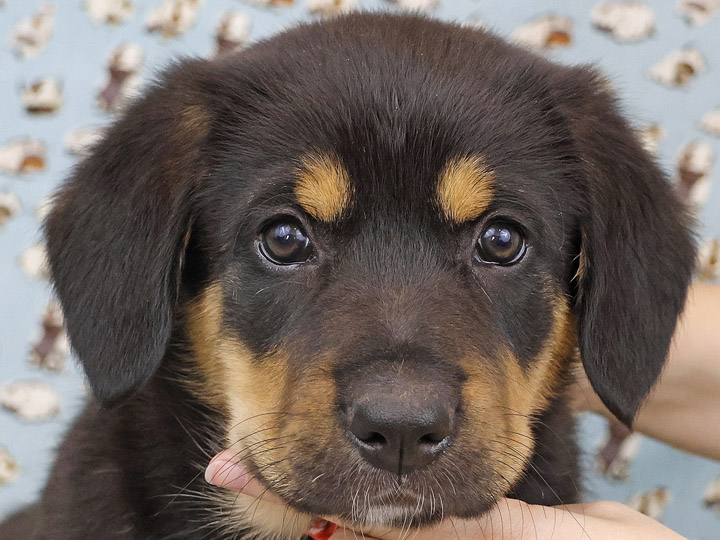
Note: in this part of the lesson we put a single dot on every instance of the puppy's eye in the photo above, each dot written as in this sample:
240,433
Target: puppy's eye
284,242
500,243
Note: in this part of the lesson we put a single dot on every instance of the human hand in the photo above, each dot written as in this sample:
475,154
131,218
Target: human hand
508,520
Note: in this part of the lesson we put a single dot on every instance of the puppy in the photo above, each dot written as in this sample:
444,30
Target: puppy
365,255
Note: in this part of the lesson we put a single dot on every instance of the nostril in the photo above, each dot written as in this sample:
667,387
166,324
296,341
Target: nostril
431,439
374,439
365,430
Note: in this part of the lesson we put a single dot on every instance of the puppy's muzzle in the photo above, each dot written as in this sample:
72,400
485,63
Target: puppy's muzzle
399,422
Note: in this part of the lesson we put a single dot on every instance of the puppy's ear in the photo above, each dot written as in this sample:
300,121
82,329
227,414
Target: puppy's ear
636,254
117,233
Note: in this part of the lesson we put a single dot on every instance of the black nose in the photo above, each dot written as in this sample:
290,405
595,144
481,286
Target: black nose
399,437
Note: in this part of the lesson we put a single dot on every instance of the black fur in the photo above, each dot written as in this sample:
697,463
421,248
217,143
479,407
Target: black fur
634,235
174,196
117,306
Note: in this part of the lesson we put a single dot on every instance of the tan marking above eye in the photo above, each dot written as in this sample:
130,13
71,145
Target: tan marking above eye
323,186
465,188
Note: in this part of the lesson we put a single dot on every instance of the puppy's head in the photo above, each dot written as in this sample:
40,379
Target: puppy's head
383,240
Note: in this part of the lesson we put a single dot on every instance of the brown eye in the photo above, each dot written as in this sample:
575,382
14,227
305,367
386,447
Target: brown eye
500,243
284,242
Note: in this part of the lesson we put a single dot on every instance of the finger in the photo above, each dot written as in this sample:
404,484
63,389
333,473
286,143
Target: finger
516,520
508,519
449,528
224,470
617,520
348,534
227,472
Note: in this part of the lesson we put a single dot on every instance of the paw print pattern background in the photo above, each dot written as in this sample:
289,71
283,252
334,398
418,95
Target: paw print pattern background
70,66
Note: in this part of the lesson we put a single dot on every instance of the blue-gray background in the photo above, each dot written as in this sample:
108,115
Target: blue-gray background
77,55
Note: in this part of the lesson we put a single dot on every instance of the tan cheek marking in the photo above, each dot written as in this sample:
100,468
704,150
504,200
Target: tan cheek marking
259,391
312,412
323,187
465,188
504,402
228,376
529,392
541,381
478,391
204,320
231,377
487,417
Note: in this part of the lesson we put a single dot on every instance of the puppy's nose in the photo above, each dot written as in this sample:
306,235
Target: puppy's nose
400,438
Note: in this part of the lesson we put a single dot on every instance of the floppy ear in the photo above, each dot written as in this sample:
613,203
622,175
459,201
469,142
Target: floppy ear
636,255
117,232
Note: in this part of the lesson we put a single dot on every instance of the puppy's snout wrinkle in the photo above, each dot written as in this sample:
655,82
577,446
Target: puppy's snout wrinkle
401,435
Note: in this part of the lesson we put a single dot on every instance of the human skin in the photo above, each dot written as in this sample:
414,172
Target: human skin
508,520
685,400
681,406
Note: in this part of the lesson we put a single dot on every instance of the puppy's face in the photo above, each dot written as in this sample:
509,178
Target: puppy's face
382,252
382,325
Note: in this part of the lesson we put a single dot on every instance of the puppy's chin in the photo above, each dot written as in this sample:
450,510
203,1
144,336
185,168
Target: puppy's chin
270,521
426,512
396,516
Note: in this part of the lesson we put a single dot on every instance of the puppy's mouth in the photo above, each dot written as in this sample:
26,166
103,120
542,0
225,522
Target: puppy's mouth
399,446
398,502
398,510
382,499
393,515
